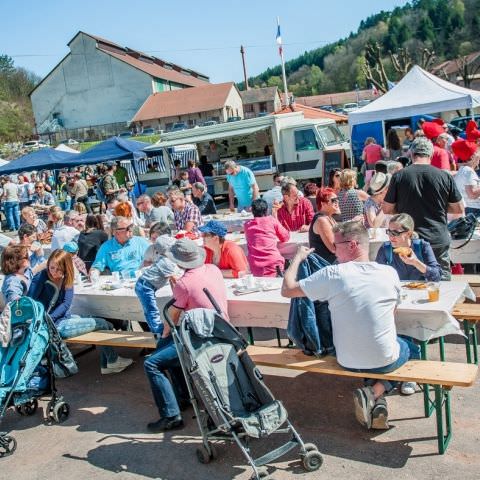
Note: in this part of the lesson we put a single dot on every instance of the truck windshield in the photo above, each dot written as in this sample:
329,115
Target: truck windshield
330,135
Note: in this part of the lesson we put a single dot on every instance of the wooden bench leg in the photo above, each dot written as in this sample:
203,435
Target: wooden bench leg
444,426
279,341
471,343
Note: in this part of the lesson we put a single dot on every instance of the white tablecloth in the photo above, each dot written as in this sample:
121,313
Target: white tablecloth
233,221
415,316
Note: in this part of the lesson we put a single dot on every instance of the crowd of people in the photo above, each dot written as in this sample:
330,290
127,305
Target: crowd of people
163,239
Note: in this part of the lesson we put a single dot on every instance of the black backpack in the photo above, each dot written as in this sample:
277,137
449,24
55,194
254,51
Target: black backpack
463,228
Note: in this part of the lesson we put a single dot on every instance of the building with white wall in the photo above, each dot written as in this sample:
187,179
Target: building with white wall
100,83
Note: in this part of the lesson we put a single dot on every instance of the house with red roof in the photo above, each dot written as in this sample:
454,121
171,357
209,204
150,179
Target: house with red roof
192,106
100,85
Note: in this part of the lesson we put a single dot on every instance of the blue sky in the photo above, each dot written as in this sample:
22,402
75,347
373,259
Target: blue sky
205,36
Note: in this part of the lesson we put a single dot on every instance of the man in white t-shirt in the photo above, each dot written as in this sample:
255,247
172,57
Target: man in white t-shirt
362,297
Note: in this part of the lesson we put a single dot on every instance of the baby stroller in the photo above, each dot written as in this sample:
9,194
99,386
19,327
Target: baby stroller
230,400
26,367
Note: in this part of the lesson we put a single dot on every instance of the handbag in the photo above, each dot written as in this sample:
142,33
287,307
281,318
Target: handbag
463,229
63,362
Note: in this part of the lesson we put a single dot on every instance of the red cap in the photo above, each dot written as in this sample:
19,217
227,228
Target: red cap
439,121
471,131
432,129
464,150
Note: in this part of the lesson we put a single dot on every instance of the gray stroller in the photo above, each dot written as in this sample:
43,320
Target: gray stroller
227,391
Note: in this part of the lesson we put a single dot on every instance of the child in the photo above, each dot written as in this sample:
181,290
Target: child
155,277
16,267
185,186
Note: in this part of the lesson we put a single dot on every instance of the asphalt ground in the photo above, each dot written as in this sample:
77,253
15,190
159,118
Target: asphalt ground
105,436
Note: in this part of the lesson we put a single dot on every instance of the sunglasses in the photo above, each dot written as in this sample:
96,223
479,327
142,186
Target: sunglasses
125,229
395,233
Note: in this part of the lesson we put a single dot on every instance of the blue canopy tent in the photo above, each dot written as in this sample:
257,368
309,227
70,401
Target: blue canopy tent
113,149
45,158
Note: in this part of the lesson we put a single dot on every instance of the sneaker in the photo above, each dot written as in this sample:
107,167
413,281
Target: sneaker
408,388
364,402
380,415
118,366
167,423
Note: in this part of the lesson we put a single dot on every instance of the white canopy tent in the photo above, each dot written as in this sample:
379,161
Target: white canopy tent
65,148
418,93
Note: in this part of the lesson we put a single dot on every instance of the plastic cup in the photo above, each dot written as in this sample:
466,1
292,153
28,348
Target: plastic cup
116,277
249,281
95,278
433,291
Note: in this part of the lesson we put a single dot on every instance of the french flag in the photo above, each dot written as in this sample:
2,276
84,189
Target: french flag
279,40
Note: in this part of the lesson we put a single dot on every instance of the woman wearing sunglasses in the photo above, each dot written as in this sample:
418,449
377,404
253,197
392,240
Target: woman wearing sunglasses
419,263
320,234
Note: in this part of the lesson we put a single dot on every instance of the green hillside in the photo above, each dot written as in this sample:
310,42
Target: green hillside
449,28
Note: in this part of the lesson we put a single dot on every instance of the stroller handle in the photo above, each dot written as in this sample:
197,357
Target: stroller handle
165,312
56,293
212,301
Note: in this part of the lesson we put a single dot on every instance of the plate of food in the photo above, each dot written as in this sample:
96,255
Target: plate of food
415,285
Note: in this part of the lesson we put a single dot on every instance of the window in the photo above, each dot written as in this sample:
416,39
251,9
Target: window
248,107
305,140
330,135
262,106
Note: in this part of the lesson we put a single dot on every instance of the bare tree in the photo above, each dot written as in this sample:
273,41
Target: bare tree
373,67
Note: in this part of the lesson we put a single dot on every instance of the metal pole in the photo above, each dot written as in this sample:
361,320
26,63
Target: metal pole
282,58
245,77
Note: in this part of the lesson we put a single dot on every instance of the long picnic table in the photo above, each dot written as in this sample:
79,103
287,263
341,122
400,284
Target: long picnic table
415,316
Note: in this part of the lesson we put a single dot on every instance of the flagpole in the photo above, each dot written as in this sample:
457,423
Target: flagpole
284,75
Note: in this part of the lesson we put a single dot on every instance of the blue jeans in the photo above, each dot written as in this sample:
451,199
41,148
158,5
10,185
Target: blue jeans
12,212
408,351
146,294
75,326
164,393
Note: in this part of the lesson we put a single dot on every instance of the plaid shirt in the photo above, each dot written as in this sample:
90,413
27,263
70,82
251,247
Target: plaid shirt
190,213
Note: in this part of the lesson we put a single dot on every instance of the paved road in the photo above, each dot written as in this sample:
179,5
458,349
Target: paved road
105,434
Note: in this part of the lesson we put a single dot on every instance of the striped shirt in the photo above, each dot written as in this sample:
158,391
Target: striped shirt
190,213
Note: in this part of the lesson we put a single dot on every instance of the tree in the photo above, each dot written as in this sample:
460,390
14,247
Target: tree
373,67
6,65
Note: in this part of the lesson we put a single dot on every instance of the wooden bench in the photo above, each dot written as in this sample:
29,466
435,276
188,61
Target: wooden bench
469,313
442,375
115,338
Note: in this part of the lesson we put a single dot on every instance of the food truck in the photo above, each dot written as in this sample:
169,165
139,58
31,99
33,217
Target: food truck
289,144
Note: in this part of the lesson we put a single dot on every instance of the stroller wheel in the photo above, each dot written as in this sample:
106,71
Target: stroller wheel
203,455
312,460
28,408
262,473
61,411
7,445
309,447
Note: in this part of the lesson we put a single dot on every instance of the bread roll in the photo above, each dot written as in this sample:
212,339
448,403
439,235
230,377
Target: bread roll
404,251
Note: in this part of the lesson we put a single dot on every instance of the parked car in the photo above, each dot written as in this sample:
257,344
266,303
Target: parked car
362,103
148,131
234,119
461,122
350,107
177,127
209,123
328,108
125,134
35,144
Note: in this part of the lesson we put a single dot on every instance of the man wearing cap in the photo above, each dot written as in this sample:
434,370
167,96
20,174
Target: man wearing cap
466,178
186,215
436,133
188,293
427,194
202,199
109,182
123,251
241,184
225,254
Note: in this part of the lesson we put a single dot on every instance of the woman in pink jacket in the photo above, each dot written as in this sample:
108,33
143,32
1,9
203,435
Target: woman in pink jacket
262,235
